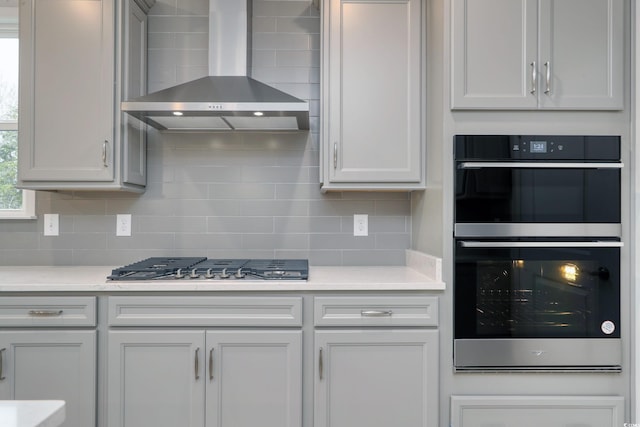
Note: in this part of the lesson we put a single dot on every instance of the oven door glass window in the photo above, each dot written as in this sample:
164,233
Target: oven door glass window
536,292
542,195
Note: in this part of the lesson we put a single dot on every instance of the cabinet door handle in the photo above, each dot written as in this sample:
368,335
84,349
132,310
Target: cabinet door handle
547,67
211,364
45,313
335,155
320,364
104,153
197,364
376,313
2,350
534,78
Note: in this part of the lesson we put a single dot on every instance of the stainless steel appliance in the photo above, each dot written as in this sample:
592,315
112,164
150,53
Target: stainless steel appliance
537,253
228,99
201,268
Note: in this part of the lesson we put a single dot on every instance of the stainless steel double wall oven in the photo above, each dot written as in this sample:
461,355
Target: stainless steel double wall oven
537,252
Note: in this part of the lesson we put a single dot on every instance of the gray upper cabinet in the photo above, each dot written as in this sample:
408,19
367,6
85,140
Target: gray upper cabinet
70,134
372,95
133,75
537,54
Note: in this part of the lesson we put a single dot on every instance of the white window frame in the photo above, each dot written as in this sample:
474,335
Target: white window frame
9,28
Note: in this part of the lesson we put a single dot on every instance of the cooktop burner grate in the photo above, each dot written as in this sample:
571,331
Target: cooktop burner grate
172,268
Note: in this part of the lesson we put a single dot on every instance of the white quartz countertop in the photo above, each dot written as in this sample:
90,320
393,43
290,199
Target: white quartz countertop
31,413
422,272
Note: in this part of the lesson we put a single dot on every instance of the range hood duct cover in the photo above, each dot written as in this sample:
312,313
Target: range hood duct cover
227,99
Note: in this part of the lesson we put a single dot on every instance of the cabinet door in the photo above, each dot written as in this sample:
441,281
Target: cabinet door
51,365
376,378
66,90
156,378
372,81
254,378
134,84
494,54
581,52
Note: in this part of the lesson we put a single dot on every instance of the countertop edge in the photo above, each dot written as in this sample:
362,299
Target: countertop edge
422,273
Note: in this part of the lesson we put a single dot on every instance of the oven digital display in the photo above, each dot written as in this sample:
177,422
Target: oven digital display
538,147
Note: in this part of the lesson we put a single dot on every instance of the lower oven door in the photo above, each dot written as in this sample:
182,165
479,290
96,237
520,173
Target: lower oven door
533,304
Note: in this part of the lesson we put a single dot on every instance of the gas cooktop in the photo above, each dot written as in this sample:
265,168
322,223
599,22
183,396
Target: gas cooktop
178,268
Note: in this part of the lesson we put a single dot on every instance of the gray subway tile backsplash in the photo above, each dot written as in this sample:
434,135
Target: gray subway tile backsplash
223,195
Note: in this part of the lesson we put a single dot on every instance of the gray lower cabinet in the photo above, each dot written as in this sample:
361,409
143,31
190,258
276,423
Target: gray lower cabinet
197,377
534,411
374,371
51,365
376,378
48,351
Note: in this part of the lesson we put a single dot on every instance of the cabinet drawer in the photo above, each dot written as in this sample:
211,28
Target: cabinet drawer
375,311
550,411
47,311
205,311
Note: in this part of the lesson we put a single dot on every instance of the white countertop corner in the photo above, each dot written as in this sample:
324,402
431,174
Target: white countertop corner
32,413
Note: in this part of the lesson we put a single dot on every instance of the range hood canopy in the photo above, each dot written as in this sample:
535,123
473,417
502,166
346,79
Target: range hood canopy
227,99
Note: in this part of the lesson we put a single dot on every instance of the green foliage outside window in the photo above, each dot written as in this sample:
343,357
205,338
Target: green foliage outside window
10,196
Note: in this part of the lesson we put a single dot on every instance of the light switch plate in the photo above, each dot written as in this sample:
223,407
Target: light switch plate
361,225
51,224
123,225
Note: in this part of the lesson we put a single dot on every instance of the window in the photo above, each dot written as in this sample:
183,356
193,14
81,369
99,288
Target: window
14,203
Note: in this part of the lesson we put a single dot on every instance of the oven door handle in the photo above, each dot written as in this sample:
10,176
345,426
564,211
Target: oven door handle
539,244
540,165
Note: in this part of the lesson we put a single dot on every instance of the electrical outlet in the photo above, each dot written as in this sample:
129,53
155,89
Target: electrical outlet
51,224
361,225
123,225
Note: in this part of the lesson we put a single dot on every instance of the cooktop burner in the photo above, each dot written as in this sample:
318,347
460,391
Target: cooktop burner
172,268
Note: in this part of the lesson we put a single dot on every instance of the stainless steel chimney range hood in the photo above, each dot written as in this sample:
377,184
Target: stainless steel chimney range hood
227,99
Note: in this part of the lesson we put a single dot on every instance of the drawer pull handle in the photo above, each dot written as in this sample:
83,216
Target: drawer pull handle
45,313
320,363
376,313
2,350
197,364
211,364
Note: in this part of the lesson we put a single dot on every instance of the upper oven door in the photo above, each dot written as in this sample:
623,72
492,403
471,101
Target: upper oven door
537,180
537,192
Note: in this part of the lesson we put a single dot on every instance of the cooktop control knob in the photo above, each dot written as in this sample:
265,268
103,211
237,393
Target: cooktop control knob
224,274
209,274
239,274
194,274
179,274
